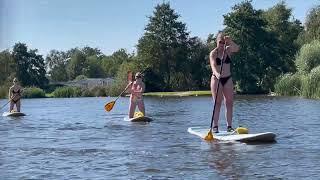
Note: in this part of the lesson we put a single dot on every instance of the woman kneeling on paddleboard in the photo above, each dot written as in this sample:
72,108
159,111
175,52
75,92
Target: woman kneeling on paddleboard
136,98
15,93
222,55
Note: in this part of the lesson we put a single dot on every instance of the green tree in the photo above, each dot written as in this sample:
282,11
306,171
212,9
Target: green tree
111,64
281,22
94,68
30,66
89,51
312,24
56,63
77,65
163,47
198,64
257,64
7,66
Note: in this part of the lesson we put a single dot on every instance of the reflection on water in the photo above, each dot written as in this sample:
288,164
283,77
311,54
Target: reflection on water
76,139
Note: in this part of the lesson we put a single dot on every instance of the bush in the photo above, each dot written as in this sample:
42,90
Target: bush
311,84
33,92
51,87
3,92
86,93
80,77
308,57
289,85
67,92
98,91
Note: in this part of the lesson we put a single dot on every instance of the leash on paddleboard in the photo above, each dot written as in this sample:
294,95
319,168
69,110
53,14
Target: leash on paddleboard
209,136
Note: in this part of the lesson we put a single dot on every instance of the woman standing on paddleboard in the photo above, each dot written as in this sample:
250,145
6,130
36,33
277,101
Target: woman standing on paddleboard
222,54
136,98
15,93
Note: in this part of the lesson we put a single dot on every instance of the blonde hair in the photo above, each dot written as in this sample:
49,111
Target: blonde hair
220,35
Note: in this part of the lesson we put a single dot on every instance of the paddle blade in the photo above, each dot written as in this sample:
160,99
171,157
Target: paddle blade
108,107
209,136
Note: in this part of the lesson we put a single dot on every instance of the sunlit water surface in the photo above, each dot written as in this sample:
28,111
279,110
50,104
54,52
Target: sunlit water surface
76,139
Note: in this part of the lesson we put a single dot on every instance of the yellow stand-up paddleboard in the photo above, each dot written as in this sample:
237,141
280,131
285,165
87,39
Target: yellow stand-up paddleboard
139,117
238,135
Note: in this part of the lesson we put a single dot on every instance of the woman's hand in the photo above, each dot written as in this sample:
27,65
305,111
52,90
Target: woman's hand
218,75
231,46
227,40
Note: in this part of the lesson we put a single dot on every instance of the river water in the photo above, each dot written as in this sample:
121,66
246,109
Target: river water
76,139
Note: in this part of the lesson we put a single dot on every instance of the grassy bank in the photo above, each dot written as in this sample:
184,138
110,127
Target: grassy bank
178,94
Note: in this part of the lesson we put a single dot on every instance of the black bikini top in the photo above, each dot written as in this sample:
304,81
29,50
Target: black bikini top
227,61
16,92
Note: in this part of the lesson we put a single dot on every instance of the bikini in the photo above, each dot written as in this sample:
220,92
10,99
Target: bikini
223,80
15,92
135,98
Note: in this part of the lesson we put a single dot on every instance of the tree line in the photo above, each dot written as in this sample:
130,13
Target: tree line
171,59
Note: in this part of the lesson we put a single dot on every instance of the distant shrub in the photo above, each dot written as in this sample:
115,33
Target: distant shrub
4,91
67,92
86,93
98,91
289,85
308,57
33,92
80,77
311,84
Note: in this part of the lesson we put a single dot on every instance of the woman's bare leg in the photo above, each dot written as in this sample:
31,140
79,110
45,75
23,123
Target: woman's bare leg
132,108
228,97
214,86
18,105
141,107
11,106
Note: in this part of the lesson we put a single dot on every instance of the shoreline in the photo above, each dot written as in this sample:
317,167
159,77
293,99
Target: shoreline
196,93
170,94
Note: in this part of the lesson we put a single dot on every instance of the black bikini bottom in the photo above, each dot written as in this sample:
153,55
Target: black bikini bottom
15,101
223,80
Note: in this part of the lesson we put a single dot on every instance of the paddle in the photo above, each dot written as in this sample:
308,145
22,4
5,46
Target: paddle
5,104
8,101
108,107
209,136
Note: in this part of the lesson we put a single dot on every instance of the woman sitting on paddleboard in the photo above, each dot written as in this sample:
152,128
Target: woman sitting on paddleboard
225,47
15,93
136,98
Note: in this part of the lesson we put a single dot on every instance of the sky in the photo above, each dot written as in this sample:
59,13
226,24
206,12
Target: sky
110,24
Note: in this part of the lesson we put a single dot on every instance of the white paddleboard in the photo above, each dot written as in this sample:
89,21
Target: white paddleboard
138,119
232,136
13,114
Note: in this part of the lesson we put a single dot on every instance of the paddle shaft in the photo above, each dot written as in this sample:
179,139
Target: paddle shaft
216,96
8,101
122,92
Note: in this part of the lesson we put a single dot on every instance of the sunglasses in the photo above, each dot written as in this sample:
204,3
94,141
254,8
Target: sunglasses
221,42
138,77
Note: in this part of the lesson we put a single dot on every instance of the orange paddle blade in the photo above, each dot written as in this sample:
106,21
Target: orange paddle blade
108,107
209,136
